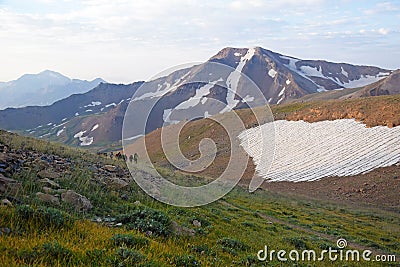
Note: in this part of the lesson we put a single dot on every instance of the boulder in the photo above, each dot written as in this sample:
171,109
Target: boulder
9,186
116,183
49,183
196,223
110,168
48,198
81,203
181,230
5,202
48,174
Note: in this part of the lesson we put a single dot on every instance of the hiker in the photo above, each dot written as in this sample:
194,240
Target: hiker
135,158
131,158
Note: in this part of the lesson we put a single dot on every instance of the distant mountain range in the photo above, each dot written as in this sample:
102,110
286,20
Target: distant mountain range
95,118
41,89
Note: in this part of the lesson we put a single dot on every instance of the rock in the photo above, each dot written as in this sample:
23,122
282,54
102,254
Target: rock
47,190
149,233
49,183
48,198
5,202
80,202
48,174
124,197
196,223
116,183
137,203
110,168
181,230
5,231
9,186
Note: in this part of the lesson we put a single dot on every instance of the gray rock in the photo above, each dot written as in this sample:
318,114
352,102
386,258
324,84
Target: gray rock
48,198
181,230
49,183
196,223
5,202
48,174
110,168
9,186
116,183
81,203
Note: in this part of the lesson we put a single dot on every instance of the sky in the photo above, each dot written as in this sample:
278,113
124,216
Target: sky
124,41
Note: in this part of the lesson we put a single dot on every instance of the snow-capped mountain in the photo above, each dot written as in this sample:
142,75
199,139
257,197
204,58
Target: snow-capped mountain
42,89
96,117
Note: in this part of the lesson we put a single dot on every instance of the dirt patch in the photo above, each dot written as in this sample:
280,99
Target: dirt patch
378,188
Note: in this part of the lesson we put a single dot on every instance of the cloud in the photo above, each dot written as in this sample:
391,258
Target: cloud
383,7
154,34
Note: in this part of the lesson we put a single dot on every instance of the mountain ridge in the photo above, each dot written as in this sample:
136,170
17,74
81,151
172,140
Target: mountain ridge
42,89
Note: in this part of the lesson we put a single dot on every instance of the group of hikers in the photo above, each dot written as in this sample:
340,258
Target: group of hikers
119,155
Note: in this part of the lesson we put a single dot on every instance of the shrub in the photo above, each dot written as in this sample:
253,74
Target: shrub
55,251
232,243
43,217
297,242
145,219
186,261
129,240
204,222
201,249
127,257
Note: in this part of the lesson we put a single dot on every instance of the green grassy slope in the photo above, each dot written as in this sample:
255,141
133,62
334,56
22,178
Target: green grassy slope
232,229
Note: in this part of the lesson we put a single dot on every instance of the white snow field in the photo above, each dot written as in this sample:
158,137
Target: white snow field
311,151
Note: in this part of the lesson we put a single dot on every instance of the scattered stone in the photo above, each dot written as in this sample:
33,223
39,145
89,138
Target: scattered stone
5,231
118,224
137,203
48,198
181,230
9,186
124,197
5,202
149,233
196,223
47,190
110,168
49,183
116,183
80,202
48,174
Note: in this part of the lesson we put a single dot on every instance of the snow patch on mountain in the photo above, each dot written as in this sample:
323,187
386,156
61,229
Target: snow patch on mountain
60,131
93,104
201,93
85,140
364,80
272,73
312,151
233,81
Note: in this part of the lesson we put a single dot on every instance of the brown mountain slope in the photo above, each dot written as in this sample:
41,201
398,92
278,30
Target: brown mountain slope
373,111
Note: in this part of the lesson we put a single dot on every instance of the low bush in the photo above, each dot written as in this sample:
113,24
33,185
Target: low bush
129,240
232,243
43,218
147,220
186,261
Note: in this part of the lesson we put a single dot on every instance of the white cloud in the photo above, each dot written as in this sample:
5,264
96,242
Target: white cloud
113,38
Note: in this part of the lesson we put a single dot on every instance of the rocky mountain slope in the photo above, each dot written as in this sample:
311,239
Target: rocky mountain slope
42,89
95,118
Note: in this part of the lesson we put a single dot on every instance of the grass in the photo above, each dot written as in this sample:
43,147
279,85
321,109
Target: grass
232,229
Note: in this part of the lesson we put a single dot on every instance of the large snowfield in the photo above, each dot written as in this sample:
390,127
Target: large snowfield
311,151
